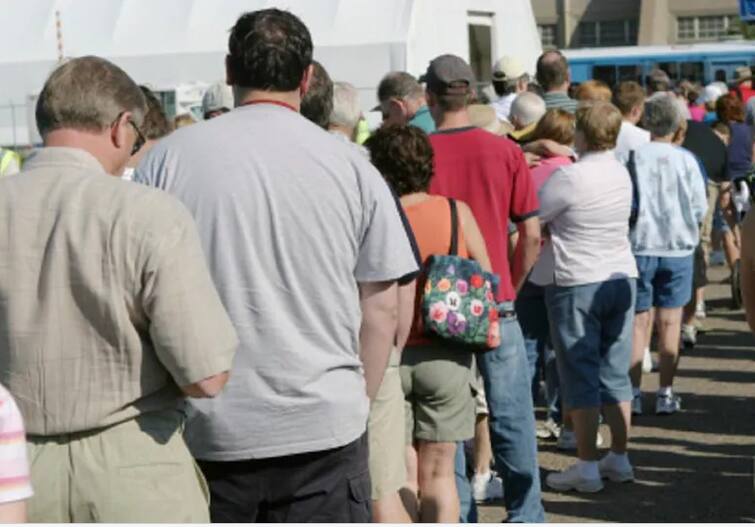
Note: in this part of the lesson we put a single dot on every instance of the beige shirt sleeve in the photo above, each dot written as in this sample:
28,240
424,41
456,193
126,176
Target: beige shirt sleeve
190,329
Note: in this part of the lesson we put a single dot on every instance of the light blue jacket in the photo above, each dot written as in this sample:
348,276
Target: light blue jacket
672,201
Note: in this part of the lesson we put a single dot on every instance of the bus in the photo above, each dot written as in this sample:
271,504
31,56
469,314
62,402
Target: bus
703,63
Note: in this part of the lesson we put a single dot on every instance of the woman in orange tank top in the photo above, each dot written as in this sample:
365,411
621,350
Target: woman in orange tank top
437,381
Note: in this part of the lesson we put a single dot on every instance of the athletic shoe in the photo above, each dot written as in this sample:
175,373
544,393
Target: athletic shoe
567,440
550,429
616,468
667,404
689,336
700,310
647,362
637,404
573,478
487,487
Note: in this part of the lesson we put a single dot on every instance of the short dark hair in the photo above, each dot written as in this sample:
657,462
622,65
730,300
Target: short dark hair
552,70
730,109
627,96
317,103
269,50
156,124
404,155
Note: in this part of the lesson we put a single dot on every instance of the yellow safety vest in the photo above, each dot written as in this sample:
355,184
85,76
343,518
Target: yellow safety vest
8,157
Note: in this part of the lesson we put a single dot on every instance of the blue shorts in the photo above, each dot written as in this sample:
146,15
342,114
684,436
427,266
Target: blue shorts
591,328
664,281
719,222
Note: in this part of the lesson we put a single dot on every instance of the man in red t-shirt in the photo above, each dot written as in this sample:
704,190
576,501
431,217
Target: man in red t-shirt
743,88
490,174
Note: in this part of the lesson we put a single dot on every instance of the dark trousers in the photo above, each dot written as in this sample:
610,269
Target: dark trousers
331,486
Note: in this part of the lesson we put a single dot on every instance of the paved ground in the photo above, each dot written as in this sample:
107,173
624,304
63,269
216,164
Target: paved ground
695,466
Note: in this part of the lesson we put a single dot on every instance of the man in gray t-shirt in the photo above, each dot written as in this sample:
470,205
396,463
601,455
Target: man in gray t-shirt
305,245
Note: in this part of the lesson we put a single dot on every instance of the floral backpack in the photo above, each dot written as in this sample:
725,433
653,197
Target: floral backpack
458,303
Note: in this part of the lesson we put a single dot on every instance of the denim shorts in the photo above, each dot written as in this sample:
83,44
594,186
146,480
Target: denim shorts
664,281
591,328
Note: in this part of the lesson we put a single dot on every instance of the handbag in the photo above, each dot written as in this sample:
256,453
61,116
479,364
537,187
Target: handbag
458,301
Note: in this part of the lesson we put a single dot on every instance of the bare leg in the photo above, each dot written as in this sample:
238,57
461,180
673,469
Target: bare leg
642,323
669,326
439,500
619,419
586,430
483,452
410,493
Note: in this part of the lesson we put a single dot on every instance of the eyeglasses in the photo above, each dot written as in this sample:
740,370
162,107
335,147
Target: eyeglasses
140,139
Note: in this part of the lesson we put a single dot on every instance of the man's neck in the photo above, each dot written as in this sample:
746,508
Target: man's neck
94,144
662,139
451,120
290,98
563,90
349,133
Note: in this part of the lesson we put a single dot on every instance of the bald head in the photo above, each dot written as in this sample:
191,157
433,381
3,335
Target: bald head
553,71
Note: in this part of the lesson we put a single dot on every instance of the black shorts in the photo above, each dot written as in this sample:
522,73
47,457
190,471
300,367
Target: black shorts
331,486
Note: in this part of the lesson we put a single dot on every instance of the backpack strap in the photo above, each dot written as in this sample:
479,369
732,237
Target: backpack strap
454,250
635,210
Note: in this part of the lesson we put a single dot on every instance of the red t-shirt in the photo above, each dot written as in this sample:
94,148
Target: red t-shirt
746,93
490,174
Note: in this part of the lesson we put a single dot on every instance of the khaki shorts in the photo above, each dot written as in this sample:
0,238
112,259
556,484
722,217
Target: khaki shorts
385,432
478,386
139,471
439,394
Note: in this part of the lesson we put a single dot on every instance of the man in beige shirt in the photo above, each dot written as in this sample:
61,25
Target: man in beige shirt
108,316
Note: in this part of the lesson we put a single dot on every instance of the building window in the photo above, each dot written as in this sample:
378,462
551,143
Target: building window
690,28
547,35
608,33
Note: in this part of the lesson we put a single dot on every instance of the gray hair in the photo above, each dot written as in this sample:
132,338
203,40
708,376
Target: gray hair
662,116
528,108
398,84
88,93
346,111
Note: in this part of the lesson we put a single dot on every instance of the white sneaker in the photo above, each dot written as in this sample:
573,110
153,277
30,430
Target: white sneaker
573,478
616,468
567,440
637,404
487,487
667,404
647,361
550,429
689,336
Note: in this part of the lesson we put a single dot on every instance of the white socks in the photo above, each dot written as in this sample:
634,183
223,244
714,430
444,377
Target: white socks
665,391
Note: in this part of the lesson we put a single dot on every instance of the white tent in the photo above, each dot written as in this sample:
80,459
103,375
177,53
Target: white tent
174,42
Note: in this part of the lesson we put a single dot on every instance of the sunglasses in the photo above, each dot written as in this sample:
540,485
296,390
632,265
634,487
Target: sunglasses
140,139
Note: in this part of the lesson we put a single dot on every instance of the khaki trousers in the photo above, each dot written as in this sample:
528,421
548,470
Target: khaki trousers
139,471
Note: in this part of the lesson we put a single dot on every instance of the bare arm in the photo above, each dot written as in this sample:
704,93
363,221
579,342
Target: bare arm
209,387
379,302
406,296
527,250
748,268
548,148
475,242
13,512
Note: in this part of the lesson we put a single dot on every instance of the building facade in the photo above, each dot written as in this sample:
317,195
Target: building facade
603,23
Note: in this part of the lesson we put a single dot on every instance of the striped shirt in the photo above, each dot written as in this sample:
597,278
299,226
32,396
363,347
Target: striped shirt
14,468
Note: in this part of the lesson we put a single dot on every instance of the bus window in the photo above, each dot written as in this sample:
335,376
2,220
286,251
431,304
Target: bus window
692,71
606,74
672,68
630,73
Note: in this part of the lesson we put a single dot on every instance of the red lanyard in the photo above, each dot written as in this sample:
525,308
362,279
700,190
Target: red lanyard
271,101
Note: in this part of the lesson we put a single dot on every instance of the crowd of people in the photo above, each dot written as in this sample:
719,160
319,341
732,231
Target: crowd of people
227,321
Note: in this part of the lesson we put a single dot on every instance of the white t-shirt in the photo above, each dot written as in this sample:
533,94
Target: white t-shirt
502,106
586,209
631,137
